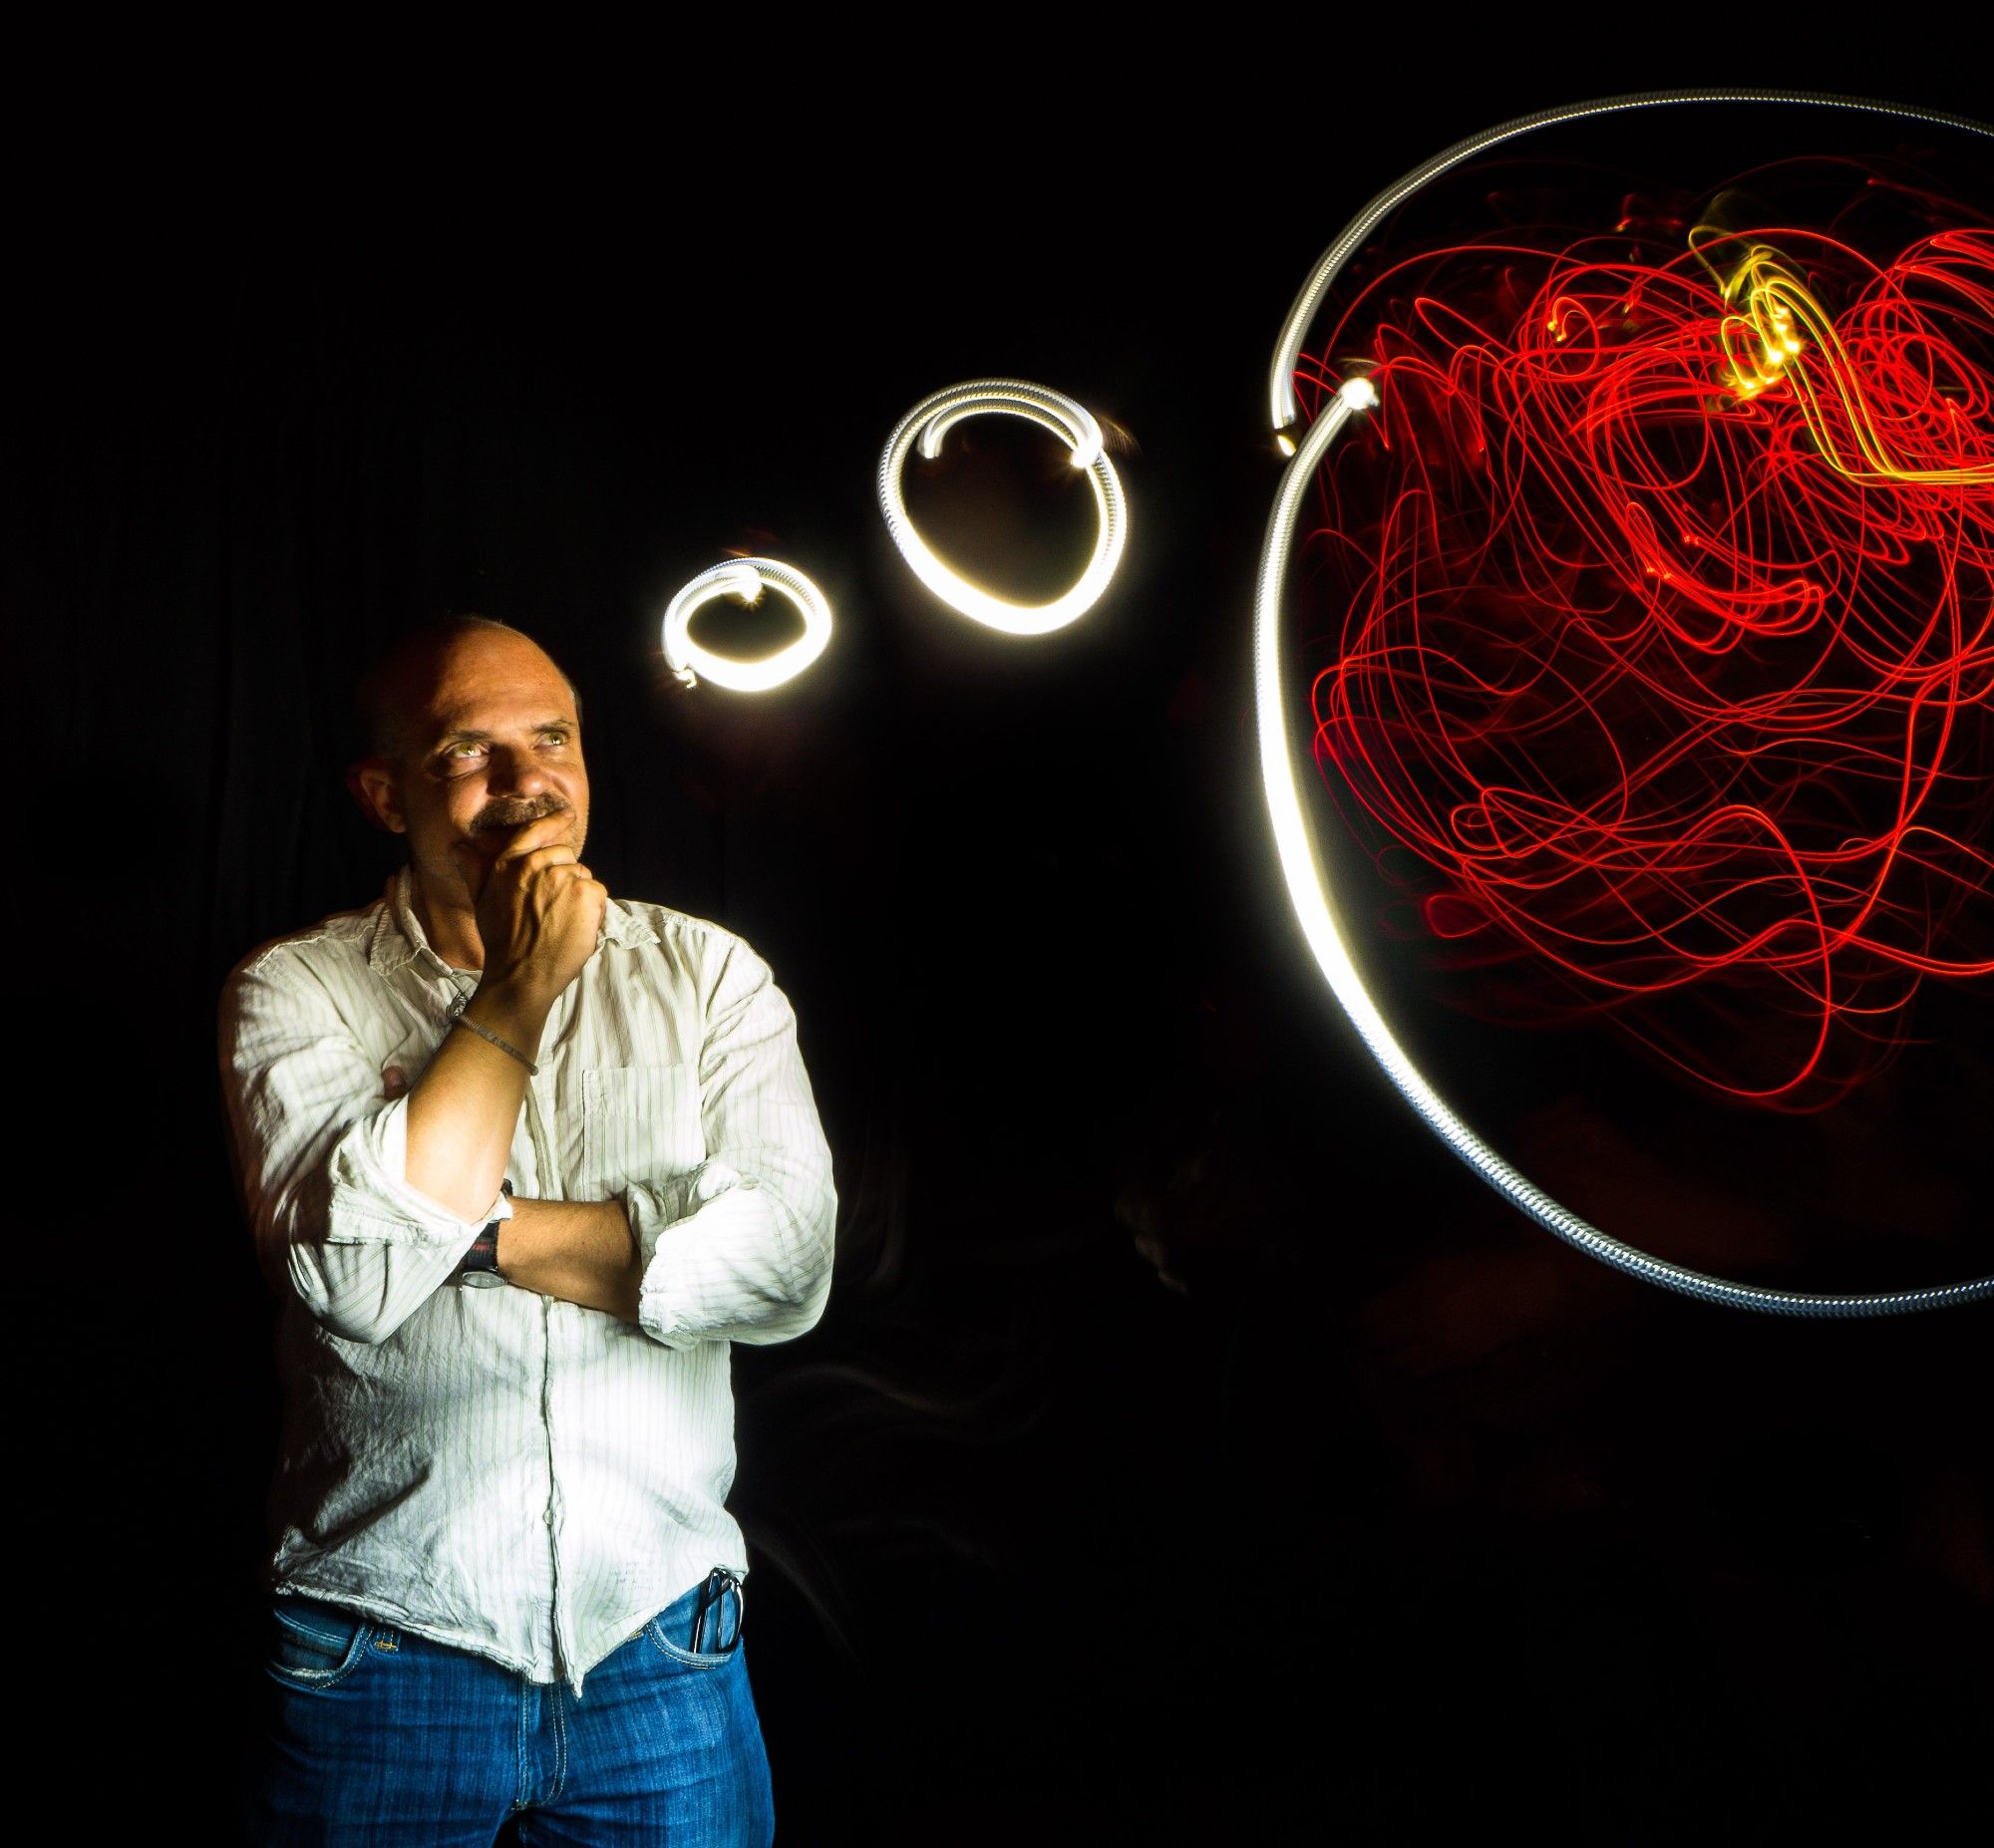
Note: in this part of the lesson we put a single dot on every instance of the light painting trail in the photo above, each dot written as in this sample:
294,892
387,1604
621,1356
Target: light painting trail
1637,659
745,579
929,422
1667,647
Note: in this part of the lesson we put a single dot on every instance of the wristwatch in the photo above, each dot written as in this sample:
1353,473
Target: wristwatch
479,1266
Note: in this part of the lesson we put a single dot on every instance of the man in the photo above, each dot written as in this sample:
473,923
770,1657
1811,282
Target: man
522,1161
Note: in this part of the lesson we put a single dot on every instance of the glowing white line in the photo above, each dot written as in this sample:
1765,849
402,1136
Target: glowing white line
1307,887
744,578
929,422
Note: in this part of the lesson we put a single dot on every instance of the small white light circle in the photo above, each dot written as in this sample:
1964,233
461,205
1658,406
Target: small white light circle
744,578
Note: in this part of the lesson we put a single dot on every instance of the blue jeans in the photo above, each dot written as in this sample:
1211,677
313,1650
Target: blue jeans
382,1737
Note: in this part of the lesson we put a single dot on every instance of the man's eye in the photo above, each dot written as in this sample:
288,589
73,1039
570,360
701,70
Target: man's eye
458,753
557,739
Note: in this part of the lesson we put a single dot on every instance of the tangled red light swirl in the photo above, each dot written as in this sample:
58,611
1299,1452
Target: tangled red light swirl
1667,643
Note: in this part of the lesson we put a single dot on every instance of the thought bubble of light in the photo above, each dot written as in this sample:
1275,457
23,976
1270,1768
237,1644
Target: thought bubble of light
1301,867
745,579
929,422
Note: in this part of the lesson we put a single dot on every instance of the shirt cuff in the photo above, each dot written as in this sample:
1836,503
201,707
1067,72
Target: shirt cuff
373,1169
668,1293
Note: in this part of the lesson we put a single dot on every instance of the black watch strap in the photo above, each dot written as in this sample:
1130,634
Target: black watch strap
481,1263
484,1252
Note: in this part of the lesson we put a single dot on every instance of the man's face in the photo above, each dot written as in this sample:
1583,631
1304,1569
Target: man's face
491,743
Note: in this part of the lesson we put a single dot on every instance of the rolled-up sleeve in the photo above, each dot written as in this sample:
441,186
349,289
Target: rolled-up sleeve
740,1247
322,1158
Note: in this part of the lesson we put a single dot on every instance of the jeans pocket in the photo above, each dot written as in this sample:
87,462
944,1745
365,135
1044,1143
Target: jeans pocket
314,1644
702,1630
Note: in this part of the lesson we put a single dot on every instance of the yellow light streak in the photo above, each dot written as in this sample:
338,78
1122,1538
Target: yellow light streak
1778,333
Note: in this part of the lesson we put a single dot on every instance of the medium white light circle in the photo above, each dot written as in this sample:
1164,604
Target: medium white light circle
929,422
744,578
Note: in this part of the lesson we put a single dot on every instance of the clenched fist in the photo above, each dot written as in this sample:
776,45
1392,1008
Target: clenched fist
538,910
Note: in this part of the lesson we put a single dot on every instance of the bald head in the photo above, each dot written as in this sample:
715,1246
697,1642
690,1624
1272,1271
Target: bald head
398,690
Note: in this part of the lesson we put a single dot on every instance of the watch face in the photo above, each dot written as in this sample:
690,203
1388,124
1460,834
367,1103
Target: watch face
479,1280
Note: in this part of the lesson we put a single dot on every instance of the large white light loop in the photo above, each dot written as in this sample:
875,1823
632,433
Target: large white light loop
744,578
929,422
1294,843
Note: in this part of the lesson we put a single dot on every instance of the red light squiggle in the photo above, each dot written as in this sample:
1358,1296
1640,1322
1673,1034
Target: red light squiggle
1678,671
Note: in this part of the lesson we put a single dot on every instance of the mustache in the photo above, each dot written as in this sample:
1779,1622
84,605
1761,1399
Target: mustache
497,817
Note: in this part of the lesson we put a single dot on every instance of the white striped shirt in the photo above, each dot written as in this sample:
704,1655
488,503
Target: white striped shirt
489,1467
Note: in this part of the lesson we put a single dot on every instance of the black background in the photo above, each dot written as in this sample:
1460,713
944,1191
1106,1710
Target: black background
1378,1513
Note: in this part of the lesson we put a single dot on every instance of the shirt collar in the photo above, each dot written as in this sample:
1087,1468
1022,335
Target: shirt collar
399,939
624,928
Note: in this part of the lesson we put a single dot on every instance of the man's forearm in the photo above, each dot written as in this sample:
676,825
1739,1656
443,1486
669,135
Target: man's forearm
465,1108
578,1250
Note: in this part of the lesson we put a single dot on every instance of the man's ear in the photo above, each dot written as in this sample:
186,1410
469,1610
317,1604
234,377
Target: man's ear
371,784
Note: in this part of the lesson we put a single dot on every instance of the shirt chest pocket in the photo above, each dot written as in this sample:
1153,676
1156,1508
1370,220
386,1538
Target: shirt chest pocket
638,1124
